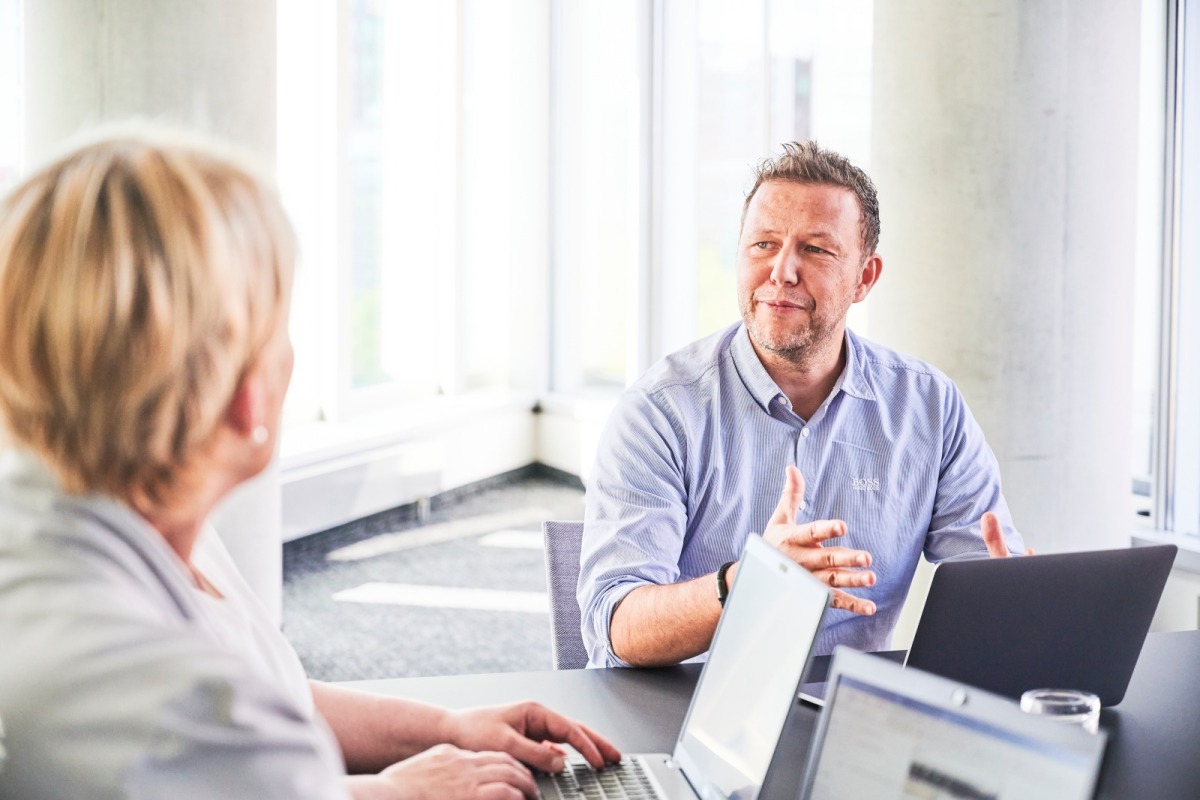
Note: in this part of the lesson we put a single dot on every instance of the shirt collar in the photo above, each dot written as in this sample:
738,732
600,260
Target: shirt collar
853,380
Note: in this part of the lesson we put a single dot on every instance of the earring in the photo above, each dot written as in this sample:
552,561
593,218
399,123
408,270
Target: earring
260,434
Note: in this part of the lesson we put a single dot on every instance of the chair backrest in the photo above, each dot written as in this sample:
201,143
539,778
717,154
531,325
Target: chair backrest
562,540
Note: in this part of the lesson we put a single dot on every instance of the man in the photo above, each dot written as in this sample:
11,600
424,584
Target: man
690,462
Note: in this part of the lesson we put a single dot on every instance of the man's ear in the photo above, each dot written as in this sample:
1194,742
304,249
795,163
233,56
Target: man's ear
247,407
871,270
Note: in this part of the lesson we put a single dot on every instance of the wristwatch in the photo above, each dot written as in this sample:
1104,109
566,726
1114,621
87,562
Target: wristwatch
722,584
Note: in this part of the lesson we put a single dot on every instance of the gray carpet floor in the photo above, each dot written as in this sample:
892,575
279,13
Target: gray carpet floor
393,616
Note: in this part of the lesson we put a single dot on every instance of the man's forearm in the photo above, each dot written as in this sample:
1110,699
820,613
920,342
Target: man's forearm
658,625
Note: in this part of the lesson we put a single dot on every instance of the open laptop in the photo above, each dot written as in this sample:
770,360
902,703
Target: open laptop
1064,620
745,692
891,732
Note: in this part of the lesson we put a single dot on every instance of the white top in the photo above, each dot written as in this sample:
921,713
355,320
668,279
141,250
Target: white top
242,624
119,680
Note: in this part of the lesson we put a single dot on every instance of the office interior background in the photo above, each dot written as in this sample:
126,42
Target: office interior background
508,209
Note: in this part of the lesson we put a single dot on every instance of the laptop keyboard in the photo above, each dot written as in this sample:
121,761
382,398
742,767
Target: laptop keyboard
578,781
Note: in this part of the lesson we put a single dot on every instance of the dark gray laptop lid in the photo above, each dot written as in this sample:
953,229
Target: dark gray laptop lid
1065,620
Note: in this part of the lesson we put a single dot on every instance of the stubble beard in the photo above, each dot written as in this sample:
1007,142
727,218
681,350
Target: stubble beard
797,346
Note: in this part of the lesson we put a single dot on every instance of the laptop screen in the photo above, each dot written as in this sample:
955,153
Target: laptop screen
753,670
878,742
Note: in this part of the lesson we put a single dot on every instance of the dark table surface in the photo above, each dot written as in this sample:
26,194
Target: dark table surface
1154,734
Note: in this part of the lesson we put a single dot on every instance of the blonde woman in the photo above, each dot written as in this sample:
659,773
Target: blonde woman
144,356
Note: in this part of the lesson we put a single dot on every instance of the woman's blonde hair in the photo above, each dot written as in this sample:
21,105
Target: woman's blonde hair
140,277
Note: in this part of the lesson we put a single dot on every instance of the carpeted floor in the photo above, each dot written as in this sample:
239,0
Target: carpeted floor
461,591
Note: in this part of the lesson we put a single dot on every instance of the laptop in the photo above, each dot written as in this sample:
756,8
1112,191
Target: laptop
1063,620
746,690
893,732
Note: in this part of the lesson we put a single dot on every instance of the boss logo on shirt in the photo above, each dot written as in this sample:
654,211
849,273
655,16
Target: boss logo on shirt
865,484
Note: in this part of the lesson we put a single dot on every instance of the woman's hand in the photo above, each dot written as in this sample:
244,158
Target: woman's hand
527,731
445,772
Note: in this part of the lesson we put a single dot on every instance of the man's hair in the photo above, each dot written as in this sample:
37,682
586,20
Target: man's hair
809,163
141,276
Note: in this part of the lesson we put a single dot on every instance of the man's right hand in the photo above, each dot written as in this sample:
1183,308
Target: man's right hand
837,567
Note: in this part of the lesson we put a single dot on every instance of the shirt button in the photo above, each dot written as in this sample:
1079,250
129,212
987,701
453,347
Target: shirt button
804,433
803,505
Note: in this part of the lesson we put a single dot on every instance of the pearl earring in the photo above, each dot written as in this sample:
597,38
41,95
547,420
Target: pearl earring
260,434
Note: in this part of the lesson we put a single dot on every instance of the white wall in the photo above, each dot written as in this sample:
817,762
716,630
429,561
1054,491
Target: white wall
1005,149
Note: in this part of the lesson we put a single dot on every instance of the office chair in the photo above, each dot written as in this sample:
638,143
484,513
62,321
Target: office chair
562,540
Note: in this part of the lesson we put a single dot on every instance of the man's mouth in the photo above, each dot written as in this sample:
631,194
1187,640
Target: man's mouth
781,304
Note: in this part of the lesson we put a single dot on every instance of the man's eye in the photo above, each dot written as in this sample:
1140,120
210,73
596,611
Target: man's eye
812,248
762,245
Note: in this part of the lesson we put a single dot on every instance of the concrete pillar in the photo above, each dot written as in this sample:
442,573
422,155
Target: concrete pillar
1005,149
208,65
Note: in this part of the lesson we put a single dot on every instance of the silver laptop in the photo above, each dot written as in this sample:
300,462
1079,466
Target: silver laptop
893,732
746,689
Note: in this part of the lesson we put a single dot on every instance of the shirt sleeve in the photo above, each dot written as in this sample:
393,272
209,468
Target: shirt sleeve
635,518
968,486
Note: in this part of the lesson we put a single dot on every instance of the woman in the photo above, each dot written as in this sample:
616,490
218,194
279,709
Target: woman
144,356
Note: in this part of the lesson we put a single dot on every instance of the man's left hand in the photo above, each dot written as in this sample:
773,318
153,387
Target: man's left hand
528,731
993,537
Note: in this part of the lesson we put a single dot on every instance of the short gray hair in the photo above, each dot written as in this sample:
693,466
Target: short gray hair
809,163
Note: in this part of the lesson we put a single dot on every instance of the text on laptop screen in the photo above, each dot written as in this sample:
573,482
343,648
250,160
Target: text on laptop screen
753,670
885,745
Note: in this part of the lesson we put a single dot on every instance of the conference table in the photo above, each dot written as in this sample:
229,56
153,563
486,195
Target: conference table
1154,733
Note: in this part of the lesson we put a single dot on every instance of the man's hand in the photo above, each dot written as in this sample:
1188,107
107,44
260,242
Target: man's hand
527,731
838,567
993,537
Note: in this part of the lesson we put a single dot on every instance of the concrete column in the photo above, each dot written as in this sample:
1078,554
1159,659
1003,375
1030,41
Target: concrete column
1005,149
208,65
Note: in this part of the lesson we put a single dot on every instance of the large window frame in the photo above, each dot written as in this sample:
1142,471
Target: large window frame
1176,485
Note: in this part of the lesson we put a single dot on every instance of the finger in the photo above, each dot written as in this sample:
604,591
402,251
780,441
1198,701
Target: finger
848,602
502,791
509,773
993,536
821,530
1029,551
595,749
609,754
845,578
789,501
816,558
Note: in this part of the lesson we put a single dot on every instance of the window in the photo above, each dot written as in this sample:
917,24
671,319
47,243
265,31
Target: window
411,156
1176,489
661,110
10,94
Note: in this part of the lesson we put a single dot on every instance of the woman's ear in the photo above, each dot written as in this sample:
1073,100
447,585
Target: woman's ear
247,409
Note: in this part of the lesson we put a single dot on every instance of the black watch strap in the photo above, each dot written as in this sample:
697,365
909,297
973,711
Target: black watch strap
722,584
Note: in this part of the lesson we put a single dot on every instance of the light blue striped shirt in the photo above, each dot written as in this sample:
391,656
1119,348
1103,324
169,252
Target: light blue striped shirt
692,462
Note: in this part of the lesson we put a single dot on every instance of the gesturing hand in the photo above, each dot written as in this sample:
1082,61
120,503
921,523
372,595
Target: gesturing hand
993,537
839,567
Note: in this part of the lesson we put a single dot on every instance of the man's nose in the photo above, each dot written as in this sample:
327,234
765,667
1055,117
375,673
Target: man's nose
786,269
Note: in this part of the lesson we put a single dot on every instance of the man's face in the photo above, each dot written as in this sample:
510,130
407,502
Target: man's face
799,266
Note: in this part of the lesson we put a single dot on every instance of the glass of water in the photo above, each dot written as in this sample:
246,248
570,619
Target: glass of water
1064,705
